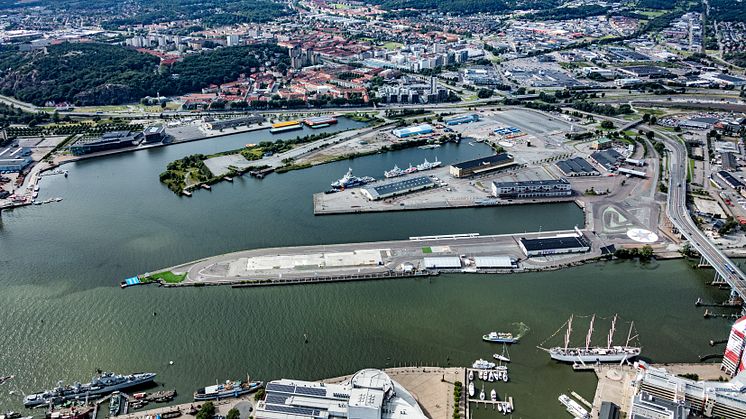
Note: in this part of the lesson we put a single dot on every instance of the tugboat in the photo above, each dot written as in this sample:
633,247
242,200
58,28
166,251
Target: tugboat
349,181
227,390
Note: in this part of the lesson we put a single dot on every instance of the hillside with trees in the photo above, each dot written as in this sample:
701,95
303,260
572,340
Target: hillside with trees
100,74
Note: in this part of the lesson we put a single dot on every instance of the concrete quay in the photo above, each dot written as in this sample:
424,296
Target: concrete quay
367,261
615,382
431,386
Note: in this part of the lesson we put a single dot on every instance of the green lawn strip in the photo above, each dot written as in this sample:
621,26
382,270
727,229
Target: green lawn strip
167,277
427,250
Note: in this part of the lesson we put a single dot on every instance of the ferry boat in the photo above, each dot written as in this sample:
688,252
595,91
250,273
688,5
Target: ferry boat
589,353
574,408
349,181
395,172
481,364
227,390
499,337
101,385
426,165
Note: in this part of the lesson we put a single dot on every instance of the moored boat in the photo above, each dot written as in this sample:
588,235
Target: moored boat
594,354
483,365
101,385
471,389
574,408
227,390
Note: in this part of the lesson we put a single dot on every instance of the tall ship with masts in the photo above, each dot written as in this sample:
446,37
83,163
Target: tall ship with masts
591,353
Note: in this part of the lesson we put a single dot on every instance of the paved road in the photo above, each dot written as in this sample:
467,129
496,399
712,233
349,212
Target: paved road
682,220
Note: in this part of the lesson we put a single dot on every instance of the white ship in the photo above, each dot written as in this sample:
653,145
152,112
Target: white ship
395,172
503,357
593,354
483,365
574,408
426,165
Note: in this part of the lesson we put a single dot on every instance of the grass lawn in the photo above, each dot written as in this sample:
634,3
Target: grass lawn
392,46
690,172
168,277
427,250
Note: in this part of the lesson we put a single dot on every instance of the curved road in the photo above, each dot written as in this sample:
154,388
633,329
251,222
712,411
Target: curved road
679,215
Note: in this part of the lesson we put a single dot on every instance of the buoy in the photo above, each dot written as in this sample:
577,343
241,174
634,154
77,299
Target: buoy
170,362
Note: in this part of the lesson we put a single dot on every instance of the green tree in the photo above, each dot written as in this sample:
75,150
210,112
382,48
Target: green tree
207,411
233,414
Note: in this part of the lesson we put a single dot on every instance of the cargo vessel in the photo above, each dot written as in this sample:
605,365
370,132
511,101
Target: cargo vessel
320,121
100,385
227,390
285,126
589,353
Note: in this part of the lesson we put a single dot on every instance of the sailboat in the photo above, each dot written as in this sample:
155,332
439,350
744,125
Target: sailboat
505,356
589,353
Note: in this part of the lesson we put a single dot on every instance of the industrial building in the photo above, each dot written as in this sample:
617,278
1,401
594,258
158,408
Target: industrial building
602,143
218,124
568,243
577,166
369,394
482,165
729,161
462,119
400,187
413,131
14,159
730,180
649,71
711,399
609,158
442,262
108,141
154,133
532,189
494,262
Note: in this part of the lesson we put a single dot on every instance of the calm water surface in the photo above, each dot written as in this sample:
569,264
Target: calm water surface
62,315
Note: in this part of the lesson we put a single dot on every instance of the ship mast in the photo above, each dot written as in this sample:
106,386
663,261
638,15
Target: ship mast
569,331
611,333
629,335
590,332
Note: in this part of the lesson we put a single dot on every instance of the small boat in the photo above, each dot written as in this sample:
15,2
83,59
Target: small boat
500,407
58,199
481,395
205,186
504,356
114,404
12,415
5,378
574,408
471,375
491,376
481,364
471,389
493,396
499,337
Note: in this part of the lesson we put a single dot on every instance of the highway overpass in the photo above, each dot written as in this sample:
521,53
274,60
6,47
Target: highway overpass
678,213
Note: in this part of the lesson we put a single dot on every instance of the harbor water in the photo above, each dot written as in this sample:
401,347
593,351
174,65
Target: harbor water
63,315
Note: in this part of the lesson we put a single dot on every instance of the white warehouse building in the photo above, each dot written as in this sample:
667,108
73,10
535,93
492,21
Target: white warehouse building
369,394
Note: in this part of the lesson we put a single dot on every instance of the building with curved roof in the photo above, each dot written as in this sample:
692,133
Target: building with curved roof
369,394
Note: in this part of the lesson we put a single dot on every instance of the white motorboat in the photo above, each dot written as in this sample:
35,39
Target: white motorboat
471,389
